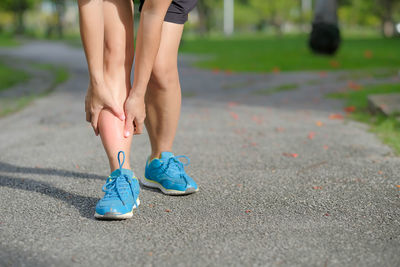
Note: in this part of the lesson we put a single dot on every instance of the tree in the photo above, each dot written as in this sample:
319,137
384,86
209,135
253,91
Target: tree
18,8
207,14
373,13
59,7
385,9
274,12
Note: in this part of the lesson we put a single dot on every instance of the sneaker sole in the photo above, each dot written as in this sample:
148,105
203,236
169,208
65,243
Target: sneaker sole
110,216
152,184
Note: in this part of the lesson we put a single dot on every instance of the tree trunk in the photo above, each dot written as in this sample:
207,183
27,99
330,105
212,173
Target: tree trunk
60,10
204,19
20,25
387,24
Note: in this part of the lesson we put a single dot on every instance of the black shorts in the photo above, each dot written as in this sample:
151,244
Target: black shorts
178,10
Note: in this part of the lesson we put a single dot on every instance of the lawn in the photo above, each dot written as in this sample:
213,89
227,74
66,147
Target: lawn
386,128
13,104
290,53
10,76
7,40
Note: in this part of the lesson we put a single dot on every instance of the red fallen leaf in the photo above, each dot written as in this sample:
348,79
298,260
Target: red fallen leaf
322,74
167,210
150,253
336,116
334,63
290,155
354,86
228,72
151,205
327,214
326,147
239,185
215,71
240,131
380,172
317,187
319,123
234,115
368,54
257,119
232,104
247,211
383,106
276,70
280,129
350,109
311,135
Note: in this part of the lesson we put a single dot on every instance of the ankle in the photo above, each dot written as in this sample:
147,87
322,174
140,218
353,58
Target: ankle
115,166
155,155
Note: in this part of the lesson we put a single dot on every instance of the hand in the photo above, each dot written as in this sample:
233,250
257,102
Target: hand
97,98
135,111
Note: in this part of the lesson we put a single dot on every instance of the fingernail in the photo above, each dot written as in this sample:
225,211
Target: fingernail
127,133
123,117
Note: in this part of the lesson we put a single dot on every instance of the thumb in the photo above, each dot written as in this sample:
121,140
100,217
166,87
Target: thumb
128,130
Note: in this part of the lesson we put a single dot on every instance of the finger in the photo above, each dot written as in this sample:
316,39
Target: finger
118,111
128,126
139,127
95,119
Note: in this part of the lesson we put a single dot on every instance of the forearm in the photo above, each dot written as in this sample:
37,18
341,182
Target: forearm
91,23
148,42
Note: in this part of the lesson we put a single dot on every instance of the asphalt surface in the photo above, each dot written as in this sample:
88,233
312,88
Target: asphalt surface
282,183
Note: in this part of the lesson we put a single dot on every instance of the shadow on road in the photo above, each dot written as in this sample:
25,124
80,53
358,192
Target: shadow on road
6,167
85,205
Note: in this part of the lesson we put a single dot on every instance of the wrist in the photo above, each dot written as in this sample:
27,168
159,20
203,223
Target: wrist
96,80
136,93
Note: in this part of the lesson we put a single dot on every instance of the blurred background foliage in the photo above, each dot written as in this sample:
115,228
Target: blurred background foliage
59,18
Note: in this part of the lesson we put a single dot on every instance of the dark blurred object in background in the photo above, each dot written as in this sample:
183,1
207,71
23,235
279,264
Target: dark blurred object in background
325,34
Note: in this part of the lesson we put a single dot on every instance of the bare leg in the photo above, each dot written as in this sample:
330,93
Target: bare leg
163,96
118,59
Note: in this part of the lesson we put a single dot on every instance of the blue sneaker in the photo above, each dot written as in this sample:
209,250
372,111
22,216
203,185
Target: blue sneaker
168,175
121,194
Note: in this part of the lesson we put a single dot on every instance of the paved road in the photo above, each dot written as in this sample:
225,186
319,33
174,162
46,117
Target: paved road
281,183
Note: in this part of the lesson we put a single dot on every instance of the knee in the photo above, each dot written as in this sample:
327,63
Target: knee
164,75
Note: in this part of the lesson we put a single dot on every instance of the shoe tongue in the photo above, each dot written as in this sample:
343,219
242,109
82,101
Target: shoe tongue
119,172
166,155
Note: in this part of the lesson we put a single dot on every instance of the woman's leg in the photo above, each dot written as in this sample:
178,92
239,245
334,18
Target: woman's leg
163,96
118,59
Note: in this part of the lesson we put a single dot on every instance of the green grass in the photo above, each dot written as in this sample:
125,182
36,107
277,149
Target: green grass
291,53
188,94
386,128
7,40
283,87
11,76
60,75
